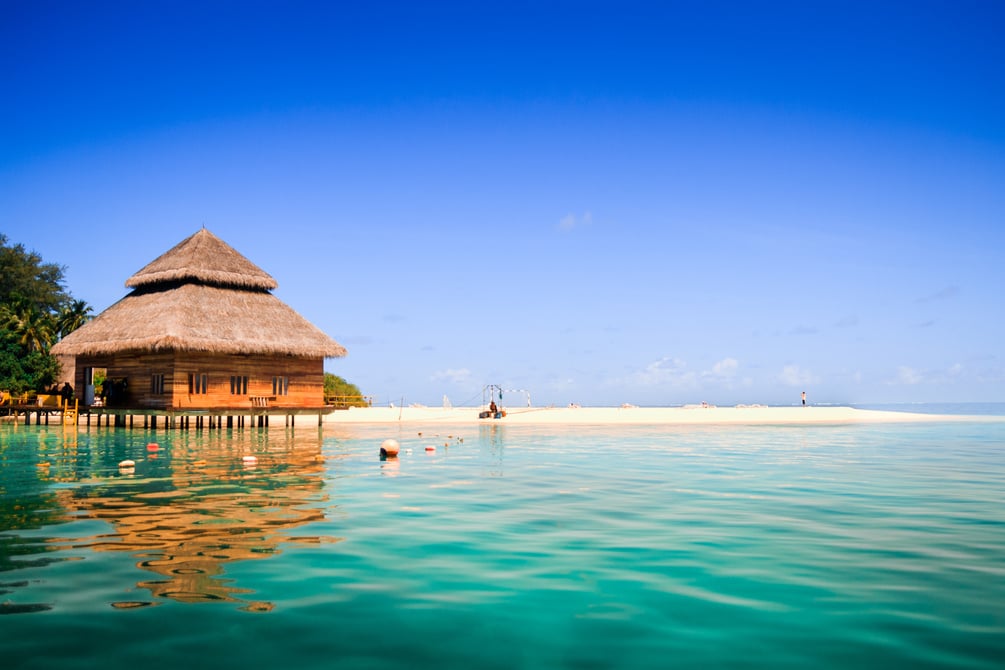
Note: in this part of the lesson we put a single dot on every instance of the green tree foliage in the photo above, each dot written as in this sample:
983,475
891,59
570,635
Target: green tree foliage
342,392
20,372
31,328
72,315
28,280
35,309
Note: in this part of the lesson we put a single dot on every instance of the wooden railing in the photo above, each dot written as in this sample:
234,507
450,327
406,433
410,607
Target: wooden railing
347,401
262,401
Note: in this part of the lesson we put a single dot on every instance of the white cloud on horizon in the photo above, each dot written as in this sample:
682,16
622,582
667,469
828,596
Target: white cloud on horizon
451,375
674,372
908,375
569,222
724,375
667,370
725,368
793,375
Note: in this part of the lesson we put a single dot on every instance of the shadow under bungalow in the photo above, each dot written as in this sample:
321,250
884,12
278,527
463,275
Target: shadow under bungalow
200,337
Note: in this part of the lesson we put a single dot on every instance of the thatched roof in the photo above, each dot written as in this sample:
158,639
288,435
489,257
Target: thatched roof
185,302
203,257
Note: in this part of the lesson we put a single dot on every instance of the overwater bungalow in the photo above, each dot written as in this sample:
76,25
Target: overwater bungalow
201,334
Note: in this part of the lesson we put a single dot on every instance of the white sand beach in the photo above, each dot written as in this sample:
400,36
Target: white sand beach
744,415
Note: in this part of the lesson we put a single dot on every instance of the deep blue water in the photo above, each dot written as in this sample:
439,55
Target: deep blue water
876,546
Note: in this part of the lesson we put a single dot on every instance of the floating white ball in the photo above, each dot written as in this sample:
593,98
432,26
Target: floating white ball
389,447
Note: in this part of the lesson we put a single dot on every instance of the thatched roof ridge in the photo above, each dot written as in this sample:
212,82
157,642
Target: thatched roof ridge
203,257
200,318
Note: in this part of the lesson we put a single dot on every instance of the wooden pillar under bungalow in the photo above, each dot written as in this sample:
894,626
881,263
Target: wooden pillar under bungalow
201,335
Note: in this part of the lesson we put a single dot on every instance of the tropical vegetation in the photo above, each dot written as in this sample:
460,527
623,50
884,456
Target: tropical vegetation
36,311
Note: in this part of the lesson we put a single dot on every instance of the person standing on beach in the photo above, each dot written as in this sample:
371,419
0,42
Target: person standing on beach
804,398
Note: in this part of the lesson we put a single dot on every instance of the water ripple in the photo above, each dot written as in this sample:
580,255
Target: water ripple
625,547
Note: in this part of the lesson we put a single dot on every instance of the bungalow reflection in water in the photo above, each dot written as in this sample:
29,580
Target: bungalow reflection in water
185,511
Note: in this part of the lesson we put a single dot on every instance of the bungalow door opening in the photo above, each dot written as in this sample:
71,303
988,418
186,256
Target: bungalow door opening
94,378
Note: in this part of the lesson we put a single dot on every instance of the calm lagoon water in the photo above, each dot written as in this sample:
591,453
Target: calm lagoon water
506,547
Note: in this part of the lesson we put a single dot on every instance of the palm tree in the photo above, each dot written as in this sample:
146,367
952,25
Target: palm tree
32,329
72,316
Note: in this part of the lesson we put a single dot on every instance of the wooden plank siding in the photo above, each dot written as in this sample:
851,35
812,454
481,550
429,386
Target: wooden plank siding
305,386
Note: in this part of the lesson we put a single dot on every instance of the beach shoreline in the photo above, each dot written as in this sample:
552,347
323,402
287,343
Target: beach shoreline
698,415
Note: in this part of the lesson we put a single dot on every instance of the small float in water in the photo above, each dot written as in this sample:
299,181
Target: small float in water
389,448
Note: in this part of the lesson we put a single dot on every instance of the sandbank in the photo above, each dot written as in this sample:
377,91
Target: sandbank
559,416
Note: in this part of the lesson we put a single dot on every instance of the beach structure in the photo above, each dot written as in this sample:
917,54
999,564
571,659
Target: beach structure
200,335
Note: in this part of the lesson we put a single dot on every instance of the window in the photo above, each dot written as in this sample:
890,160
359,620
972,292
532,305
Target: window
157,384
280,386
238,385
198,383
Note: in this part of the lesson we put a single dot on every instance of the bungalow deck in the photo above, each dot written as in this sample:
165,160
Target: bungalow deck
208,417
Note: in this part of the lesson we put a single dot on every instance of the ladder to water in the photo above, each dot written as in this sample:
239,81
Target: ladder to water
70,413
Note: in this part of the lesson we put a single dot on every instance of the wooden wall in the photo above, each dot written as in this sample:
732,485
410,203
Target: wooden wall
306,379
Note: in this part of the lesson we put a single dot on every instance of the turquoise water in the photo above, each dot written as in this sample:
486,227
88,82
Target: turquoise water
505,547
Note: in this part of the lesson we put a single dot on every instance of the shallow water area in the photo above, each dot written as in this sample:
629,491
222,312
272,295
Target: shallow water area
505,546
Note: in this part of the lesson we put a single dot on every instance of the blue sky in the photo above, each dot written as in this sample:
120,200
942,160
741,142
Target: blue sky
601,203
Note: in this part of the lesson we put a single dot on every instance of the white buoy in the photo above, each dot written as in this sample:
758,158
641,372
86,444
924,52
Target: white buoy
389,447
127,465
249,459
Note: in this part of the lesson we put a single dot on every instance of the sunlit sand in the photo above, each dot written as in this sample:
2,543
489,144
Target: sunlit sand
753,415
